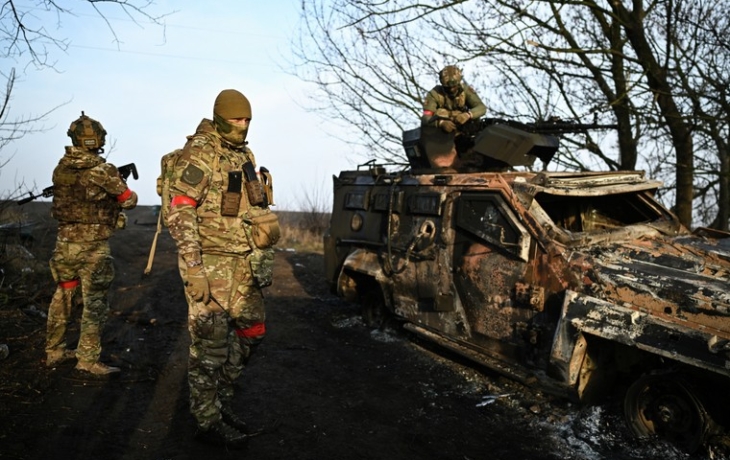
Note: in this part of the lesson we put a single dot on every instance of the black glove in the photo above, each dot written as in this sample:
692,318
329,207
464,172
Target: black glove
447,126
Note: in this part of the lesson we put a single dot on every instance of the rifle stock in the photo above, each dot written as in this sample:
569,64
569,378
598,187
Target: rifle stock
128,169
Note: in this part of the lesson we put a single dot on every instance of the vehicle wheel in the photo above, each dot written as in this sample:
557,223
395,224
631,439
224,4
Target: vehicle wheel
374,313
665,405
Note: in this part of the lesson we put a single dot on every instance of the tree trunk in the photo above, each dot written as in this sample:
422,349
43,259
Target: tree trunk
657,80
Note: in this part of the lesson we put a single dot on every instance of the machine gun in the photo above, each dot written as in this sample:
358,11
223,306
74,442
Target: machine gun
494,144
124,171
551,126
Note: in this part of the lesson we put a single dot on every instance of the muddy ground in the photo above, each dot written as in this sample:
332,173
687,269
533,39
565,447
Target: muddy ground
322,385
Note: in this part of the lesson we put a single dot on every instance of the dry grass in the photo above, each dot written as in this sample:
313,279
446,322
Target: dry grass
300,238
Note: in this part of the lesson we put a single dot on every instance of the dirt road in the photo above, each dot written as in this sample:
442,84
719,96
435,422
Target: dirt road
322,385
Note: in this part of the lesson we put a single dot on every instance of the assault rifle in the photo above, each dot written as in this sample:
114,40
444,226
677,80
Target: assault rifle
124,171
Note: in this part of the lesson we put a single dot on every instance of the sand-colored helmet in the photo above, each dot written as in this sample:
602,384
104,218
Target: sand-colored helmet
450,76
231,104
85,132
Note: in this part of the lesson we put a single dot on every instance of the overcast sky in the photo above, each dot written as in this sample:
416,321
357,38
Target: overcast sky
152,89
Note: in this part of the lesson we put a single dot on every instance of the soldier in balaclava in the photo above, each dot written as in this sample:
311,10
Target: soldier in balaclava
220,220
449,106
88,197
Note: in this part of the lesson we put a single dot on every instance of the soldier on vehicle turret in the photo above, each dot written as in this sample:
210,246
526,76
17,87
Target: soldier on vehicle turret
448,107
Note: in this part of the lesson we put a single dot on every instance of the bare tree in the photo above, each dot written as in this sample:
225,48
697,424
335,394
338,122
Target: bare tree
25,42
574,60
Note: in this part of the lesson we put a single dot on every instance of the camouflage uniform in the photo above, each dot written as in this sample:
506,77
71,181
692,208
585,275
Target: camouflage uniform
447,109
215,239
88,197
442,103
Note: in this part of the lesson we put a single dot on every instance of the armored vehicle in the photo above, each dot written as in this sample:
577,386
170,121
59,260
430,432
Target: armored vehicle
582,283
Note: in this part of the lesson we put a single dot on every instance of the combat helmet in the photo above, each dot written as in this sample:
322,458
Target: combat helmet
87,133
231,104
450,78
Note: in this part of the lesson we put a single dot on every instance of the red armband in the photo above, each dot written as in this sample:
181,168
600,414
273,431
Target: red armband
182,199
68,284
124,196
427,113
258,329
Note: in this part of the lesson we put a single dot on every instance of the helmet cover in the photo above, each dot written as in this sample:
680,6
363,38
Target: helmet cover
87,133
450,76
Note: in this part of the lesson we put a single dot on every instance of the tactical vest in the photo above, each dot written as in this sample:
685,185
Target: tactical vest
446,102
224,232
233,217
83,204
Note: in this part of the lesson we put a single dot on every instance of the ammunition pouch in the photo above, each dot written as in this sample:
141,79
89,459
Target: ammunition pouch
265,229
255,192
121,221
254,188
230,202
231,198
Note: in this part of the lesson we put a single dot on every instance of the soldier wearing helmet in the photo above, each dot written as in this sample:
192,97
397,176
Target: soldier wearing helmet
88,197
449,106
220,220
452,103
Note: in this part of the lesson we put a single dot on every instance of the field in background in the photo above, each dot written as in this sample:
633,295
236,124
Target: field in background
19,226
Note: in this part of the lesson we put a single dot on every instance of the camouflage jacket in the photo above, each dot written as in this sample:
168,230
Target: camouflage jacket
88,195
441,104
202,173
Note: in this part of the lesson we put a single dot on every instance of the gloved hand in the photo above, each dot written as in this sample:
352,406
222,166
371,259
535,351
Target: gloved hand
447,126
462,118
196,284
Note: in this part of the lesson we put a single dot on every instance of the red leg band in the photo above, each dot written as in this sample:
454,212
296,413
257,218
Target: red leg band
258,329
68,284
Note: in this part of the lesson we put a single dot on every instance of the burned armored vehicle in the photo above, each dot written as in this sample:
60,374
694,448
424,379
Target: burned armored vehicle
582,283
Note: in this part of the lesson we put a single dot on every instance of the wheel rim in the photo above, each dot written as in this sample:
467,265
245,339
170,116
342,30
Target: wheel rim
666,406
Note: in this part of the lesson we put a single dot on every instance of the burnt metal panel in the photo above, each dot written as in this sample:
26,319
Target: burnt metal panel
646,332
428,203
382,201
357,199
487,216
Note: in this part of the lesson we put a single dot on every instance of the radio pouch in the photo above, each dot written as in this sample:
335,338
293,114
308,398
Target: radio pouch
254,189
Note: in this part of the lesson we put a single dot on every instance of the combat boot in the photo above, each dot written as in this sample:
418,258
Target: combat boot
58,357
96,368
222,434
230,417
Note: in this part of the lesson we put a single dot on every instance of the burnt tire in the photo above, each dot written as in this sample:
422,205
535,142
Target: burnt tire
666,405
374,314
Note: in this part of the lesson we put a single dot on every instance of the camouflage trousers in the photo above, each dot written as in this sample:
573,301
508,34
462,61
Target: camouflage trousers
90,267
223,333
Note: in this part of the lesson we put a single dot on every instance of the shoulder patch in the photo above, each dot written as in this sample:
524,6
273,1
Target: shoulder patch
192,175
